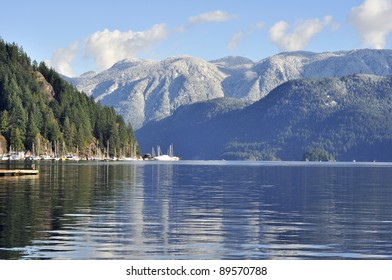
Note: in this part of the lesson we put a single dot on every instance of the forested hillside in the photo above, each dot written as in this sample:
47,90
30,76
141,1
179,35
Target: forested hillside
315,119
41,111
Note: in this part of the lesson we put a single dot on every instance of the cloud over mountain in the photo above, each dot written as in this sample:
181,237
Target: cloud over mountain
234,41
303,31
101,49
372,20
208,17
214,16
62,58
106,47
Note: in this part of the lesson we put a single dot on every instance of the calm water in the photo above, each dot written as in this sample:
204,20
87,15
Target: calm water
198,210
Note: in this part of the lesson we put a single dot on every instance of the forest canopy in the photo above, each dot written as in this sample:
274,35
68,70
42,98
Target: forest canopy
40,111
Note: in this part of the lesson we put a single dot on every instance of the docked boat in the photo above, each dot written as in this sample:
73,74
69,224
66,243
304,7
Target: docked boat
72,157
169,157
11,157
5,157
166,158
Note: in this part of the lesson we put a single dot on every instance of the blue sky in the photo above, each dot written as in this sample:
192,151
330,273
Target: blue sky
78,36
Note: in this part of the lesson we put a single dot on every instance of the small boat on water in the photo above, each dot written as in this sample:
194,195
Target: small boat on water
5,157
11,157
72,157
169,157
166,158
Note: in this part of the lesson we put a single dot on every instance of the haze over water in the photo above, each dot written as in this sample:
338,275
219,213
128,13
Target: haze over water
198,210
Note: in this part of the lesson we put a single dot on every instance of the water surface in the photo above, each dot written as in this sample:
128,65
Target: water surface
198,210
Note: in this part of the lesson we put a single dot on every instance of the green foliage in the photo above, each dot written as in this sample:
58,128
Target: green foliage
249,151
318,154
333,118
29,113
16,140
4,119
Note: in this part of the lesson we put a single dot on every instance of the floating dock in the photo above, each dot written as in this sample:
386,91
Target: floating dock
18,172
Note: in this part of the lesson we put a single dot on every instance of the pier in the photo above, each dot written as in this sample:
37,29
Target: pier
18,172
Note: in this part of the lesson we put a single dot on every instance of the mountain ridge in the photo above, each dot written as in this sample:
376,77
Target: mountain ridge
144,90
347,117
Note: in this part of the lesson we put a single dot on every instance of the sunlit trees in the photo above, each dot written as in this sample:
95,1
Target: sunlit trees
30,115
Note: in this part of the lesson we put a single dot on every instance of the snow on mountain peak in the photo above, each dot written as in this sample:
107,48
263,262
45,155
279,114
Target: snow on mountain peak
146,90
88,75
233,62
127,63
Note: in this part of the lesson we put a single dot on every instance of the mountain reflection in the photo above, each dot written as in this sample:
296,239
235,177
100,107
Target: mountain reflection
196,210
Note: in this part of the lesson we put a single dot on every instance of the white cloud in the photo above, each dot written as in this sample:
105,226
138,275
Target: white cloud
215,16
234,41
107,47
259,25
238,36
300,36
372,20
62,58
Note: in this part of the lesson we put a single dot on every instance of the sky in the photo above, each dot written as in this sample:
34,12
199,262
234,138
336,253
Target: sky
76,36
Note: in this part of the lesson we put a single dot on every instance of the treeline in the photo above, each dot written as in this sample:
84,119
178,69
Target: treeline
326,119
40,111
346,119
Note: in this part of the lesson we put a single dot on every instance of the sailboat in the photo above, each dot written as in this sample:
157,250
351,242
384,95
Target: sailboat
169,157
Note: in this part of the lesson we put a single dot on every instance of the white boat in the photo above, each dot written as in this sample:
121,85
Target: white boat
72,157
45,157
169,157
5,157
12,157
166,158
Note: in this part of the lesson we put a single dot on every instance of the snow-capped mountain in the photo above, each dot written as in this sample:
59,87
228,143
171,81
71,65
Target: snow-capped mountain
348,118
277,69
143,90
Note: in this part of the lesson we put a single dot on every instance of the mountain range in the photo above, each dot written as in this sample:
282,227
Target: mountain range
287,106
349,118
143,90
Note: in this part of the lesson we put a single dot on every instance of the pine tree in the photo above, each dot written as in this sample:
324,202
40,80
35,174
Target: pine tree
16,140
4,122
32,132
29,115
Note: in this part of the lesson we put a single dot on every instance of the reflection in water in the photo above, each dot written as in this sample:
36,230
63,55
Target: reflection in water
197,210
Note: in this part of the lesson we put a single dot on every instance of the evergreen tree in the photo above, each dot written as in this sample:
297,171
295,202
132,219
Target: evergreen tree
114,140
4,120
16,140
69,132
30,114
32,132
318,154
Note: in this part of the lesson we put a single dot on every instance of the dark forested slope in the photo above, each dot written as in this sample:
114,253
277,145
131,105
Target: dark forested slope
343,118
39,110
